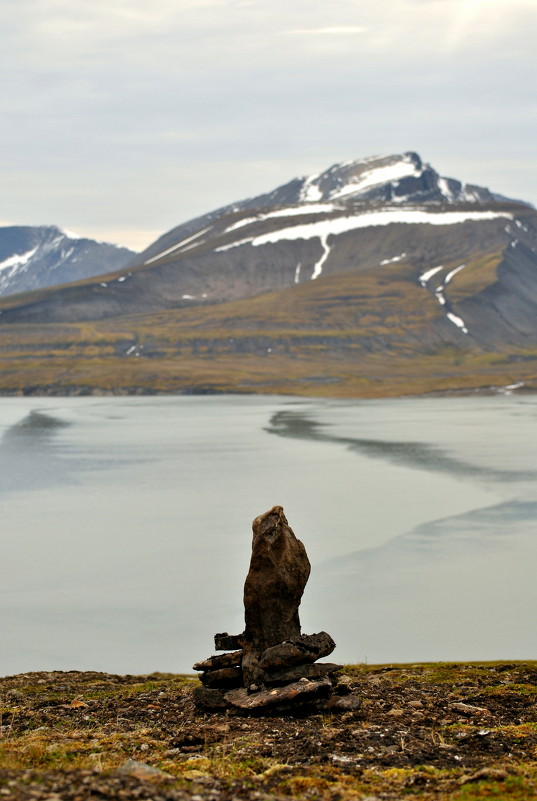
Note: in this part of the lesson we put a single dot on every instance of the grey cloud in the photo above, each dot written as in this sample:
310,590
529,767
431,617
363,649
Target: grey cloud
151,113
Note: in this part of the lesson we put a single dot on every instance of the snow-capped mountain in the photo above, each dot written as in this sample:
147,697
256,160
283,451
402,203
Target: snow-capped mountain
351,188
32,257
367,217
393,178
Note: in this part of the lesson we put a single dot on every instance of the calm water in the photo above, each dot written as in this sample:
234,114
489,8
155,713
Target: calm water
126,525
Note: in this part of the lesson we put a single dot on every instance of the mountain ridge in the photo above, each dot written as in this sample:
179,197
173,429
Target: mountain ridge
347,293
33,257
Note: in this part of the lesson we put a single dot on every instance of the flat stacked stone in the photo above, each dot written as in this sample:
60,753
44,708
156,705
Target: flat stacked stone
271,667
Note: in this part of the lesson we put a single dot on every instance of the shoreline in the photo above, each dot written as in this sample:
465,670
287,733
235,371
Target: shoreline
88,392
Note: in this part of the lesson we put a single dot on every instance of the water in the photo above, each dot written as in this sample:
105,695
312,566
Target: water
126,525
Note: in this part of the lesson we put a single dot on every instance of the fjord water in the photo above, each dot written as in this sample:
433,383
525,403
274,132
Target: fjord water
126,525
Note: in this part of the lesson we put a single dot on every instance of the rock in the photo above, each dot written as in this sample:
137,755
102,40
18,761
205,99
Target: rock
227,642
291,674
469,709
209,698
279,570
344,703
343,685
271,665
141,770
226,677
269,699
486,774
297,651
220,661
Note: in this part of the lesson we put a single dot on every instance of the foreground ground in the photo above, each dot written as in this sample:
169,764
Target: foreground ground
439,731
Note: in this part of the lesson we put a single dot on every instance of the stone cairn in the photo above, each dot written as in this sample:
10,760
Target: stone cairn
271,667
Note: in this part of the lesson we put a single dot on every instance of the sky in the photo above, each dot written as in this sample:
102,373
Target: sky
123,118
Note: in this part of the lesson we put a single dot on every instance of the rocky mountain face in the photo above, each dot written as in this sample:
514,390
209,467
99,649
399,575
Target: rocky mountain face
33,257
431,259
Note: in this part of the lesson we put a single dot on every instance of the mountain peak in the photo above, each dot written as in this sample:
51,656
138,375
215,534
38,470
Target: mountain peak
32,257
394,178
358,177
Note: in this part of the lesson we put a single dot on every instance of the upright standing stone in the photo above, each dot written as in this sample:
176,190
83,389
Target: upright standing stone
273,668
279,570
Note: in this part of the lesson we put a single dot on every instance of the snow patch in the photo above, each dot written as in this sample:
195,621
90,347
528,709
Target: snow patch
236,244
469,195
310,192
457,321
439,295
318,266
180,244
425,277
450,275
508,390
241,224
375,177
188,297
439,292
297,272
340,225
443,185
393,259
18,260
290,211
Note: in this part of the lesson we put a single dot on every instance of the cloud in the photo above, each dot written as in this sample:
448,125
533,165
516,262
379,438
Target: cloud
471,19
130,113
341,30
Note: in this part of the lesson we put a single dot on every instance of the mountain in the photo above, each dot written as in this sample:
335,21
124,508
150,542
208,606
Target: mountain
375,277
32,257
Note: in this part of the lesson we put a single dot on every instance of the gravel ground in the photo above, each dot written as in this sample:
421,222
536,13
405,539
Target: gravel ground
439,731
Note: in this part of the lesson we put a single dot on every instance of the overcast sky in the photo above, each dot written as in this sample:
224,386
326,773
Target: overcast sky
123,118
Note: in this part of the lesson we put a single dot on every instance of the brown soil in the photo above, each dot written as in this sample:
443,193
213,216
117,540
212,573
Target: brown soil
439,731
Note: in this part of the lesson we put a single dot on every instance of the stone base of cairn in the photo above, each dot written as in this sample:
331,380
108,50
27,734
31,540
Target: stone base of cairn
271,668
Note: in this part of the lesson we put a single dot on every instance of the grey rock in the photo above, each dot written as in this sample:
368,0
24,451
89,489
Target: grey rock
343,685
269,699
344,703
220,661
288,675
226,677
297,651
141,770
227,642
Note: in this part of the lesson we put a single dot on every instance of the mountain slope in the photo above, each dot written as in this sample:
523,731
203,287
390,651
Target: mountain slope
32,257
371,334
376,277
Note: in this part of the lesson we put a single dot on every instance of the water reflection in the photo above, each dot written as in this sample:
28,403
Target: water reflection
300,425
29,454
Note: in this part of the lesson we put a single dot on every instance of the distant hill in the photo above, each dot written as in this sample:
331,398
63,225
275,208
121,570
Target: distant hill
32,257
375,277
